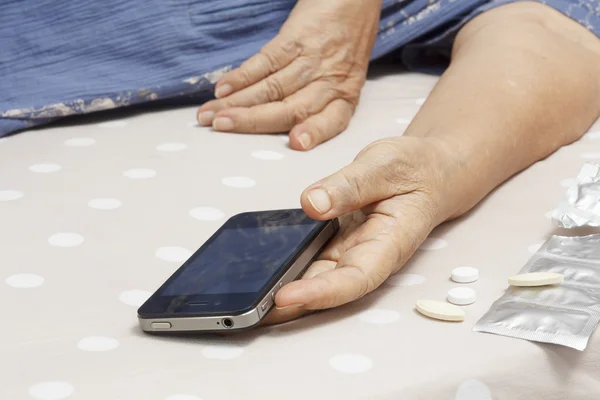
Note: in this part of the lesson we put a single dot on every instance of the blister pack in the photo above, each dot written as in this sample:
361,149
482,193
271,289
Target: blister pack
565,314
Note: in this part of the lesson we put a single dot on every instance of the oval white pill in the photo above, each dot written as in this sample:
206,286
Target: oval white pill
440,310
461,296
465,274
536,279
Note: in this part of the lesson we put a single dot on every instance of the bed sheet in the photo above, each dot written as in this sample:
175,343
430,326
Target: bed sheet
94,215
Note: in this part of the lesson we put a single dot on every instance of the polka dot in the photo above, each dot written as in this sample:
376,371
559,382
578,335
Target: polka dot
140,173
51,390
433,244
567,183
351,363
134,298
171,147
173,254
113,124
379,316
182,397
403,121
24,281
420,101
534,247
206,213
473,390
241,182
65,239
98,343
590,156
549,214
593,135
222,352
80,142
45,168
10,195
267,155
105,204
405,279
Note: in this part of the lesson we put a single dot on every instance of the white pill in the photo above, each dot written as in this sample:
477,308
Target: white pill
465,274
462,296
440,310
536,279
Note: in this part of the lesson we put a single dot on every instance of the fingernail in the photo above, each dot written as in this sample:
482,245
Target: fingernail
223,124
290,307
223,91
304,140
320,201
206,118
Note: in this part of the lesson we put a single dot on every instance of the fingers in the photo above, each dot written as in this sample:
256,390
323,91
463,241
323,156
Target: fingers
275,55
362,268
323,126
376,174
271,89
292,311
275,117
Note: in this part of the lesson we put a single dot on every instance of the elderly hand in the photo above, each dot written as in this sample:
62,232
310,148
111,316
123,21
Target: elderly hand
305,81
389,199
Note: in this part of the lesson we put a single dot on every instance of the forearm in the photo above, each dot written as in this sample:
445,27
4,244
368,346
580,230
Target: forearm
521,84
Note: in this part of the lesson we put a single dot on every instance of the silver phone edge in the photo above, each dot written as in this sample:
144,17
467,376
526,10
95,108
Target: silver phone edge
249,318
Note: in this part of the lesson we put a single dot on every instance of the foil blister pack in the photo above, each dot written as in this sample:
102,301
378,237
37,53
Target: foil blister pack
565,314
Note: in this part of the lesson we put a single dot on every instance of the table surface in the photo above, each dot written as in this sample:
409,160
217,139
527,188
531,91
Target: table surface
95,215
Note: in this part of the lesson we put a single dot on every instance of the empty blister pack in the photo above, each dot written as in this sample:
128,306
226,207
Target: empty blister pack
581,206
565,314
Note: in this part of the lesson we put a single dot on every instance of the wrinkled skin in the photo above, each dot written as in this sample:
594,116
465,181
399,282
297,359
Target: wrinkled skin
306,81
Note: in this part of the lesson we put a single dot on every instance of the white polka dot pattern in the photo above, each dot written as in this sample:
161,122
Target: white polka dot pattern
351,363
222,352
473,390
433,244
24,281
45,168
241,182
134,297
267,155
10,195
51,390
405,280
206,213
140,173
105,204
65,239
97,343
171,147
173,253
379,316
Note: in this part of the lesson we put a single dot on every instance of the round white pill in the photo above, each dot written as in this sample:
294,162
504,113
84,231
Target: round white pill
465,274
440,310
461,296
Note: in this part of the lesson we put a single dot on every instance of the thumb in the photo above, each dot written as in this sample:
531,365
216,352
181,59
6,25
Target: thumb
379,172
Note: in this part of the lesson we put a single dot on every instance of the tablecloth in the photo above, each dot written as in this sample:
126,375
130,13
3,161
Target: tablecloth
95,214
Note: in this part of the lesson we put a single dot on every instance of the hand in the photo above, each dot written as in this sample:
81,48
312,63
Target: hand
306,81
389,198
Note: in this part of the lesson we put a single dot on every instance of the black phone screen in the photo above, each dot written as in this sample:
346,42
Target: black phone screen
234,268
239,260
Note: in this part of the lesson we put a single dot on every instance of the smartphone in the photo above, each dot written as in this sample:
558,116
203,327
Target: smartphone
230,283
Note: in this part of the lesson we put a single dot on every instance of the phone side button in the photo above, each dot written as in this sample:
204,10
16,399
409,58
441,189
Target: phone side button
161,325
264,305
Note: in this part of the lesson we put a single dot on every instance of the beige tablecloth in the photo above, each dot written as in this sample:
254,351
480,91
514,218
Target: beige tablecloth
94,216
